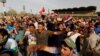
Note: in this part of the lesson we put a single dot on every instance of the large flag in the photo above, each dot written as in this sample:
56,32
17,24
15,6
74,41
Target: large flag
42,10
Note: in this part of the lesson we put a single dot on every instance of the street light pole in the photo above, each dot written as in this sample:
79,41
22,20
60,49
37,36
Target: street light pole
4,9
3,2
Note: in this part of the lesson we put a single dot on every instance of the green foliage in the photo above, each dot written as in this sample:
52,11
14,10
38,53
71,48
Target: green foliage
12,12
24,13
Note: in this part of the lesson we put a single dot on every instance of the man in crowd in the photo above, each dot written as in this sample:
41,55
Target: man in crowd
8,47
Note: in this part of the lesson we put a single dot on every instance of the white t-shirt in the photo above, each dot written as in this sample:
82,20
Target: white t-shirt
74,36
27,33
11,44
36,25
31,38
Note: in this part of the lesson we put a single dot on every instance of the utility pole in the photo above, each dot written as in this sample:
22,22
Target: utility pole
24,8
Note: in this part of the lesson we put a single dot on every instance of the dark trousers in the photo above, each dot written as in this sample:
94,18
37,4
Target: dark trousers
23,49
6,51
43,53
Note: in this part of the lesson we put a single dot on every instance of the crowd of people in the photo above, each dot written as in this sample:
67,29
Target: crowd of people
49,36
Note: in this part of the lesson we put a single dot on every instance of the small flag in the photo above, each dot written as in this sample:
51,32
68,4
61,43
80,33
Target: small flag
42,10
67,18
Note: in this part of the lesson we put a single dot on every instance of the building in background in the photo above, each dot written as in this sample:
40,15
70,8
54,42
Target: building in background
82,11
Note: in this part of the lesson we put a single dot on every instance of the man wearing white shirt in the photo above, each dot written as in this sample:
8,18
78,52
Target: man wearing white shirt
7,45
73,35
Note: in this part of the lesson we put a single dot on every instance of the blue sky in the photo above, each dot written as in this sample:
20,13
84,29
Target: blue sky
36,5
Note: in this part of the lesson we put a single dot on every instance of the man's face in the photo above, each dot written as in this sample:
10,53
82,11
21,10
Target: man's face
31,28
67,29
40,27
61,26
65,51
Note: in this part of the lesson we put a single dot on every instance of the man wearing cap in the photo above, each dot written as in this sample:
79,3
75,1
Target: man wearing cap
67,47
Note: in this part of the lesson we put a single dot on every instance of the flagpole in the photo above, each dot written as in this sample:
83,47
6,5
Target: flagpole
43,4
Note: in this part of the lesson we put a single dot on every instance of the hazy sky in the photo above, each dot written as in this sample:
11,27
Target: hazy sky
36,5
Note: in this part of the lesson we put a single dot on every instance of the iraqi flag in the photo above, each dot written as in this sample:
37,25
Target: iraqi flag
67,18
42,10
